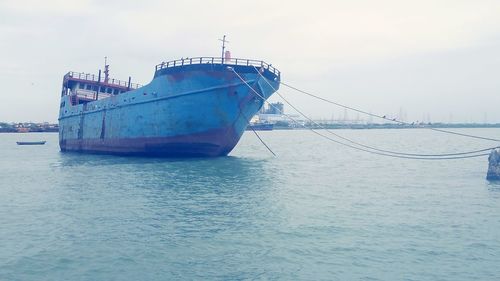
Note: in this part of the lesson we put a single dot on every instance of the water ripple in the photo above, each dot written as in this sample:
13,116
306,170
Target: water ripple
314,212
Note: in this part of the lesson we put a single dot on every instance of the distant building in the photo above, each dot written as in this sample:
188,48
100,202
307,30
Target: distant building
274,113
273,108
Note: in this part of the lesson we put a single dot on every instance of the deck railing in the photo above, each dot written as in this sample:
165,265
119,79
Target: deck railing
95,78
214,60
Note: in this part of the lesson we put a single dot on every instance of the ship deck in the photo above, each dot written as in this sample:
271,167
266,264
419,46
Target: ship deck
214,63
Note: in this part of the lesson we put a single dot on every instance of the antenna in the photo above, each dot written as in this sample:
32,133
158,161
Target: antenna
106,70
224,41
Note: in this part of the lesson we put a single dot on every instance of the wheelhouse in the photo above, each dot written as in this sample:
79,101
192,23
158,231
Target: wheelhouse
84,87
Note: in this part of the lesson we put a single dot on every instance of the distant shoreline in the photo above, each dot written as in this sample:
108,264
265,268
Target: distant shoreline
389,126
344,126
28,132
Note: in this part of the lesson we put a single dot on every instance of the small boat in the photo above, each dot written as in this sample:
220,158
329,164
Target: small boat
260,126
31,142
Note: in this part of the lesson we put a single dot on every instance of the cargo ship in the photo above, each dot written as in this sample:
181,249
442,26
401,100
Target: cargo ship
192,107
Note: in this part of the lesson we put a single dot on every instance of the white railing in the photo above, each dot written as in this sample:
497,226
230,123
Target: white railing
215,60
95,78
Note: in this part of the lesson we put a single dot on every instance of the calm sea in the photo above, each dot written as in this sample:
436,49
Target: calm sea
317,211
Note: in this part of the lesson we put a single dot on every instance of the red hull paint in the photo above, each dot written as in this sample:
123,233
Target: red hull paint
217,142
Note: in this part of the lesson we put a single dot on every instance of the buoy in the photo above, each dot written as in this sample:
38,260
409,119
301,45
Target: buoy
494,165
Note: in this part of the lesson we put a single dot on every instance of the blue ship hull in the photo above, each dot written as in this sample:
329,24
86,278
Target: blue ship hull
187,110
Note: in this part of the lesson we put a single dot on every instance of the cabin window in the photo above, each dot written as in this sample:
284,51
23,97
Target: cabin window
109,90
116,92
89,87
95,88
81,86
102,90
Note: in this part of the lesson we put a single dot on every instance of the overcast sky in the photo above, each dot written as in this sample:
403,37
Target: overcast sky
437,59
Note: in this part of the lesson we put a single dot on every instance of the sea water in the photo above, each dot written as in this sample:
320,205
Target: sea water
316,211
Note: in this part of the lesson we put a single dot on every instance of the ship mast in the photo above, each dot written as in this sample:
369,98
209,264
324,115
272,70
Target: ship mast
106,70
224,41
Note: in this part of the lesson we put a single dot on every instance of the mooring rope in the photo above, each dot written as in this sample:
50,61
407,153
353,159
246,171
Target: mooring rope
384,117
367,146
262,141
351,146
255,132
